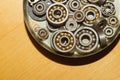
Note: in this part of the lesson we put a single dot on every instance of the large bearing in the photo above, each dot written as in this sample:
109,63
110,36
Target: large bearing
92,13
63,41
108,9
57,14
87,39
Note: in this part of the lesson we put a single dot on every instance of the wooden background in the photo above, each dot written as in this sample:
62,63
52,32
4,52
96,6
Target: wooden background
20,58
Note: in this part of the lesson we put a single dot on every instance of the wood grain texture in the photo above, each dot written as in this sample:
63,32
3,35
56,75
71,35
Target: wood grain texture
21,60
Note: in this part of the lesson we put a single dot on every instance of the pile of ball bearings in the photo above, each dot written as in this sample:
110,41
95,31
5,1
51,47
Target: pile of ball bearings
74,27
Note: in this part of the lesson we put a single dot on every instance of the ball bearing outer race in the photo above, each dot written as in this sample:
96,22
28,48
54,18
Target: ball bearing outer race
65,13
92,32
57,38
59,1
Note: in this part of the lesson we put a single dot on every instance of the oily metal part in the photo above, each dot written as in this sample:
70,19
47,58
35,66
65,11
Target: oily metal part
99,25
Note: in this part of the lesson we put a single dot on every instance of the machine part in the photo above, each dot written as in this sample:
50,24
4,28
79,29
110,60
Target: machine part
63,41
66,30
79,16
92,13
71,25
99,2
108,9
37,11
109,32
74,5
32,1
39,8
43,34
60,1
84,2
102,38
57,14
87,39
100,23
112,20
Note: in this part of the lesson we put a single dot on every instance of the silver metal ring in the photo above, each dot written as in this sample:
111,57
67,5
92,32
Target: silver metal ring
39,8
71,25
87,39
108,9
63,41
79,16
109,31
113,20
57,14
92,13
74,5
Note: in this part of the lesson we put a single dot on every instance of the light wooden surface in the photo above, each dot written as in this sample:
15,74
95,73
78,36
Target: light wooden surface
21,60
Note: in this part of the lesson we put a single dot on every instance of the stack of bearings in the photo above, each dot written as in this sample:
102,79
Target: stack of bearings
82,26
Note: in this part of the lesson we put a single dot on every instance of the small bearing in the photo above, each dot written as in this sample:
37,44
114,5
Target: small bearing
92,13
57,14
100,23
108,9
60,1
32,1
113,20
39,8
109,31
99,2
71,25
42,34
87,39
74,5
63,41
79,16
